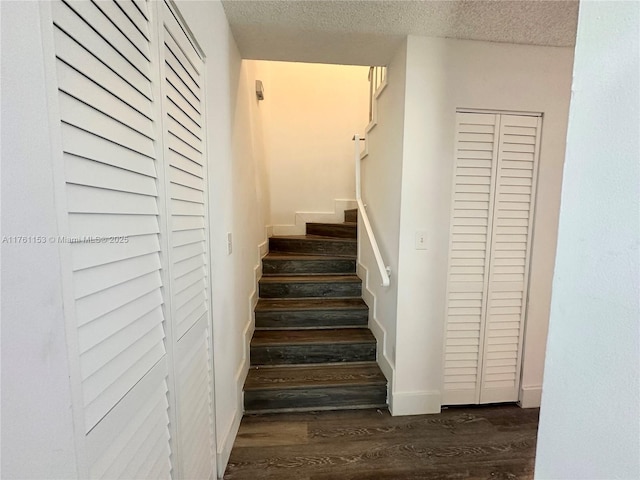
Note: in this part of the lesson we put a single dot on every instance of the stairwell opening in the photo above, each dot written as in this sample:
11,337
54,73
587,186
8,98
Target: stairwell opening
311,348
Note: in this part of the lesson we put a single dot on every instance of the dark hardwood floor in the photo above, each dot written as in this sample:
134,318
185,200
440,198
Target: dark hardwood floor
489,442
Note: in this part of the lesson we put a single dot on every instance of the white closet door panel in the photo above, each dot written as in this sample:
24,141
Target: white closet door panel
108,128
476,149
510,246
186,191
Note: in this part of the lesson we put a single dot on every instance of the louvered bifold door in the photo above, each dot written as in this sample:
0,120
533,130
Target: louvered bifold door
105,76
186,191
474,181
509,259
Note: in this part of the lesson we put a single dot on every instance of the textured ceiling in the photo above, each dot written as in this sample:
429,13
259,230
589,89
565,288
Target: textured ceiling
367,32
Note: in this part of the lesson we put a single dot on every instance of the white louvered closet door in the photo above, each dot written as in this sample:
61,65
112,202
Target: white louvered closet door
186,193
509,261
105,76
492,212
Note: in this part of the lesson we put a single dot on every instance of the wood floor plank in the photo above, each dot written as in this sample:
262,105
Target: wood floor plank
279,434
496,442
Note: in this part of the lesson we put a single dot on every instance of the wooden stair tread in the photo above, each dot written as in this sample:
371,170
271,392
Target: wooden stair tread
304,256
316,238
314,376
266,338
280,304
334,278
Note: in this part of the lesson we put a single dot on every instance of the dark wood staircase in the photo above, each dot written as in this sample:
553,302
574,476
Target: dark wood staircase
312,349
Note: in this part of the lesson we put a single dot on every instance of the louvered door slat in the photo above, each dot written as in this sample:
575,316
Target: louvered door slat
77,28
105,28
102,328
74,54
100,98
135,16
124,24
79,142
508,270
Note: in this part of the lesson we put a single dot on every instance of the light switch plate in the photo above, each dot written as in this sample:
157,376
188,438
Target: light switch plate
421,240
229,243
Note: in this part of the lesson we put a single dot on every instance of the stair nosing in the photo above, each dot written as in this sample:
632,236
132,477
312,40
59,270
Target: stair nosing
314,327
315,238
297,256
313,278
320,340
361,363
374,383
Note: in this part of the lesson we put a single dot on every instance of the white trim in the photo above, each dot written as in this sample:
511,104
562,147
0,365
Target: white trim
164,218
530,396
222,455
379,331
498,112
62,229
382,86
414,403
301,218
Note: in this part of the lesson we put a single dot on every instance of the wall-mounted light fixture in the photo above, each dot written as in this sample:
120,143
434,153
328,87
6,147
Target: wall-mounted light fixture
259,90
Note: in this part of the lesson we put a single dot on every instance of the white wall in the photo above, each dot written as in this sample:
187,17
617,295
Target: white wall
310,113
589,420
37,425
239,204
381,178
443,75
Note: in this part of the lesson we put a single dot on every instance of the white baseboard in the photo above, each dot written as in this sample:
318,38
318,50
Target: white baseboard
222,456
414,403
530,396
301,218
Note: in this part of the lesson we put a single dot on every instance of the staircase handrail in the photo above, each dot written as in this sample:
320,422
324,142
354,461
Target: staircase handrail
385,270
